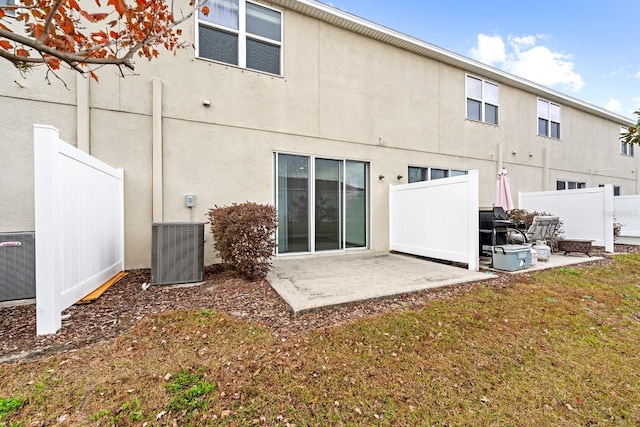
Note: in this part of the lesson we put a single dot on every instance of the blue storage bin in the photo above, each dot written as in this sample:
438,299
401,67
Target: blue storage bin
511,257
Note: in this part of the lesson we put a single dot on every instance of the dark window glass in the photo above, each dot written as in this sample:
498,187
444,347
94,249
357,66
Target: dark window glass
417,174
555,130
263,57
491,114
218,45
543,127
473,109
560,185
439,173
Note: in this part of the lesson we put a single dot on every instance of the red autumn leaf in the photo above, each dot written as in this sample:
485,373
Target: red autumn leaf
94,76
118,5
22,52
86,15
1,13
205,10
99,16
5,44
73,5
54,63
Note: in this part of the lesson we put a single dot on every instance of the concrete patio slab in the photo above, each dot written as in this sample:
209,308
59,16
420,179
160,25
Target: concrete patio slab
309,283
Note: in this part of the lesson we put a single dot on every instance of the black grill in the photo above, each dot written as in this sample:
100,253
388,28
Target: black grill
493,224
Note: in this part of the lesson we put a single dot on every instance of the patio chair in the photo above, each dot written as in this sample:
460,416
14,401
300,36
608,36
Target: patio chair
542,229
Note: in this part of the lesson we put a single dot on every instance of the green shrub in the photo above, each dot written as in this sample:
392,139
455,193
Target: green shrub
245,237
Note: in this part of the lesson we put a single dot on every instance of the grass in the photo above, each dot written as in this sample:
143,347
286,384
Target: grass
558,348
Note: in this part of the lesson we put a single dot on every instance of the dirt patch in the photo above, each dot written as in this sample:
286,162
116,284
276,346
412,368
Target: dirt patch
127,303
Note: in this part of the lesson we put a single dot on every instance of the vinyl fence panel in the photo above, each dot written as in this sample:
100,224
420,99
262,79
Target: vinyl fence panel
626,211
586,213
79,213
436,219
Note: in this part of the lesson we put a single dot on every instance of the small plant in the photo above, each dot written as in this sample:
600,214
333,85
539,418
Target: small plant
244,237
8,405
189,391
101,413
130,411
617,228
569,271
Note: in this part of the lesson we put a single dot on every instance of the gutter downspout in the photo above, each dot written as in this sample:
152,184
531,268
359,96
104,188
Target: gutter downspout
83,113
157,189
545,169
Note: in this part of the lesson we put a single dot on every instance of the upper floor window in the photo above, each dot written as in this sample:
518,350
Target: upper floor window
8,12
626,149
482,100
417,173
548,119
242,33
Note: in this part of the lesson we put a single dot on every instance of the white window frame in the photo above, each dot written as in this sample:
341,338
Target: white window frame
548,119
243,35
482,99
429,170
626,149
570,185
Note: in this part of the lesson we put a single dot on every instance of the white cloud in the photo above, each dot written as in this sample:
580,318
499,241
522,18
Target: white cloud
615,106
523,57
637,76
490,50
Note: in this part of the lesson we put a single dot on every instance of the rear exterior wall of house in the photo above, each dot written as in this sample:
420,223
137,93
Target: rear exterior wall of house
341,96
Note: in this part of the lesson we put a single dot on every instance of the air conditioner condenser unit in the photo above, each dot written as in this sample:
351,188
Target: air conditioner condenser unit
177,253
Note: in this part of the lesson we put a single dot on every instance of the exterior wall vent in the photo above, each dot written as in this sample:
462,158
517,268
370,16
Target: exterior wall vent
177,253
17,266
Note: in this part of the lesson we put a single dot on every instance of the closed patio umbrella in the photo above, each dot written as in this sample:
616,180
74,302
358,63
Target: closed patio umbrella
503,192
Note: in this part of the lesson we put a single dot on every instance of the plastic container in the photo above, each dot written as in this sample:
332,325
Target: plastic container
544,251
511,257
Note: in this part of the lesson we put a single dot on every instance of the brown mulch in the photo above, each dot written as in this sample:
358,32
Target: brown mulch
126,303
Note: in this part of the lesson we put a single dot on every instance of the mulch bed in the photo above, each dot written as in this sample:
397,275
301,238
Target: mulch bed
126,303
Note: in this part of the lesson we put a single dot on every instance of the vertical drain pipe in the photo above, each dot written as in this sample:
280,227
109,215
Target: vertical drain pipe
545,169
83,113
157,174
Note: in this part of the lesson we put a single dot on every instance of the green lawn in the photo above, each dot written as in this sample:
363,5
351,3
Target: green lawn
559,348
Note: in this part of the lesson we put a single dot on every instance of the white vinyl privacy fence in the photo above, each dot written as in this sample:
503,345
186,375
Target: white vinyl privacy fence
586,213
436,219
626,211
79,213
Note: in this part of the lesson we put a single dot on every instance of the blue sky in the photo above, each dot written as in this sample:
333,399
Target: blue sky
589,50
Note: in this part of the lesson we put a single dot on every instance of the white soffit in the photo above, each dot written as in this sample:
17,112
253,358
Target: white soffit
358,25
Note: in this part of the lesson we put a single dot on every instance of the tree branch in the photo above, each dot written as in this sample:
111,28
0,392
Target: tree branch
64,56
47,23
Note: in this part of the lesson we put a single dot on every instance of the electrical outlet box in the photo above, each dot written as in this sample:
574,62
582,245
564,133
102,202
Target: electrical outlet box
190,200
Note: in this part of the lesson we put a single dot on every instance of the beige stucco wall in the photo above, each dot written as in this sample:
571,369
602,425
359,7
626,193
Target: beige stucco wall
342,95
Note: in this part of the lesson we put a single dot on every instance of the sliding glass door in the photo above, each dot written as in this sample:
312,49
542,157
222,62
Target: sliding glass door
322,203
293,203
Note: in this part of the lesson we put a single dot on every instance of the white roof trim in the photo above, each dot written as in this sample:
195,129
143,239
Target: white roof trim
372,30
